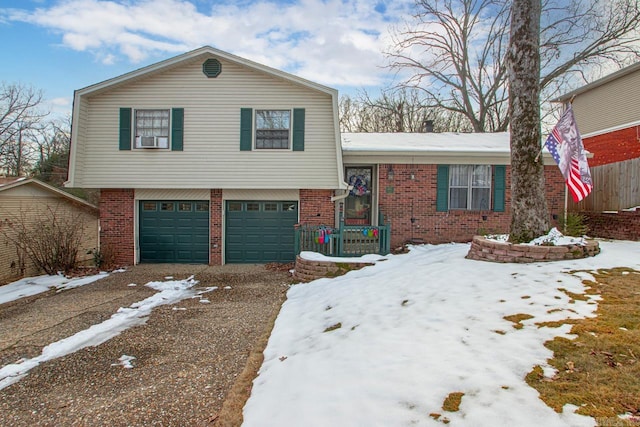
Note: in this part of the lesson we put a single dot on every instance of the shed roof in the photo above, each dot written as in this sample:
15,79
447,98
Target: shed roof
9,183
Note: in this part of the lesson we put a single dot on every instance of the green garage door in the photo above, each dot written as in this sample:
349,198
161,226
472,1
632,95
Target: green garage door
174,231
260,232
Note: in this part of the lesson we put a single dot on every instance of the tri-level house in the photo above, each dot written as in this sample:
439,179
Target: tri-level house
206,158
210,158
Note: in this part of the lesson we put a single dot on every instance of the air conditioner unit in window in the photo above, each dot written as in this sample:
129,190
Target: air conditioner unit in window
152,141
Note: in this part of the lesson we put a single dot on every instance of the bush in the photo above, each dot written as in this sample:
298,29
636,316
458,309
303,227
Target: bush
51,239
574,225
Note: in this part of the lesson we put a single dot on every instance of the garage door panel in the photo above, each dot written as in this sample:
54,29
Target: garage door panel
260,231
174,231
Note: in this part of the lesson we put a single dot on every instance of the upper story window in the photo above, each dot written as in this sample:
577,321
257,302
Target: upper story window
152,128
470,187
273,129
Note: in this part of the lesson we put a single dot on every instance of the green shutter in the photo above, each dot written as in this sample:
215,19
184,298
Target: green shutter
442,189
177,129
125,128
246,129
298,129
500,173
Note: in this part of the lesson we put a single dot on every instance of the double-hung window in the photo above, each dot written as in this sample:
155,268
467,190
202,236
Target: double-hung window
470,187
273,128
152,128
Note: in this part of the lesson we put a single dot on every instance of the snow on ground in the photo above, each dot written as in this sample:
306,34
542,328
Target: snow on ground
36,285
169,292
385,345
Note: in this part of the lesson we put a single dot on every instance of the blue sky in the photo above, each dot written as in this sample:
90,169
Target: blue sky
62,45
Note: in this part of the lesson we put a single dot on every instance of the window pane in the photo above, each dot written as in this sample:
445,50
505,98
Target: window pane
481,176
235,206
166,206
152,122
149,206
272,119
272,129
480,199
458,198
287,207
202,206
184,207
459,176
253,207
270,207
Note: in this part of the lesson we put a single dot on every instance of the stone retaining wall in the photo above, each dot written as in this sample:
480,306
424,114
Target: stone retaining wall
483,249
307,270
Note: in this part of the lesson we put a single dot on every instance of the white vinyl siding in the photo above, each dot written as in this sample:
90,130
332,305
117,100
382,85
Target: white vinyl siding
610,105
211,156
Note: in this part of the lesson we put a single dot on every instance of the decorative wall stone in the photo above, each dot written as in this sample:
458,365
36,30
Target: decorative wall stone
307,270
483,249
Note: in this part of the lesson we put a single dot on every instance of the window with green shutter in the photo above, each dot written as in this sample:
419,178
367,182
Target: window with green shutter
500,178
246,129
125,129
298,129
442,188
177,129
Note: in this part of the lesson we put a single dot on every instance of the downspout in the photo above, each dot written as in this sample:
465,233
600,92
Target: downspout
342,196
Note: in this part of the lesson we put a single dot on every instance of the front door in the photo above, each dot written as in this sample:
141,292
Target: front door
357,208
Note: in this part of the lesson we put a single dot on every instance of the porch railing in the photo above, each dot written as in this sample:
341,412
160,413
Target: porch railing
344,241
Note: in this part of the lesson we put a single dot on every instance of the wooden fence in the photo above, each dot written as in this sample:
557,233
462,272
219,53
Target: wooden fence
616,186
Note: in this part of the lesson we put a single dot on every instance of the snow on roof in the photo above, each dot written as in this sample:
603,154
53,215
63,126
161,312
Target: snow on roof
427,142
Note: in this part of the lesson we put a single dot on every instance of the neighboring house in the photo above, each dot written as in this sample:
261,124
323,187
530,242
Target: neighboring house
436,187
25,202
608,116
211,158
207,158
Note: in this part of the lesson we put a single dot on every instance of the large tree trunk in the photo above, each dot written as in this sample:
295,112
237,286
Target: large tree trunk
529,214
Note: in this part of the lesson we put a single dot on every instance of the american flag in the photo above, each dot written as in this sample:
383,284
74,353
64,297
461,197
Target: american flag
565,145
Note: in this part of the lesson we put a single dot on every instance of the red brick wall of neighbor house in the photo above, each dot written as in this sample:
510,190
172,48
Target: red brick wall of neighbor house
404,198
622,225
215,206
316,207
116,223
613,146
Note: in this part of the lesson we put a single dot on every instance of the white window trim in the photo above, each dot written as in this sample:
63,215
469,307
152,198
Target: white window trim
164,140
470,188
255,130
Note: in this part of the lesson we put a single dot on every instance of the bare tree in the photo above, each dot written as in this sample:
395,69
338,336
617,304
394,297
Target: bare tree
529,214
396,110
455,50
20,121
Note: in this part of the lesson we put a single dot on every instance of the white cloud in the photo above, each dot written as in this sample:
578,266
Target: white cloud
334,42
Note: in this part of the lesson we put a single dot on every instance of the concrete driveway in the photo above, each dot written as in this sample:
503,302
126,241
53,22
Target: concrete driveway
186,360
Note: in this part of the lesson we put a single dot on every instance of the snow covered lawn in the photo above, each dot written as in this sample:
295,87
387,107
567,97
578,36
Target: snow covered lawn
386,345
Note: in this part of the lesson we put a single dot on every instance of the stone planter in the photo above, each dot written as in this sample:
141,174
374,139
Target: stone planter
483,249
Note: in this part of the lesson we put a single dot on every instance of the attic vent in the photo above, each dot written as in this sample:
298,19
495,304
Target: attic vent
211,68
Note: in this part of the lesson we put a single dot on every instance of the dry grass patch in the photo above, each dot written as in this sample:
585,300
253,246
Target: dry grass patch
599,370
517,319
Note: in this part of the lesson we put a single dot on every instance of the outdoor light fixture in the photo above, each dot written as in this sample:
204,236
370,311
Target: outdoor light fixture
390,174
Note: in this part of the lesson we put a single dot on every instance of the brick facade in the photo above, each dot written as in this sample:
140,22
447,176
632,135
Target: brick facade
614,146
215,227
623,225
316,207
117,224
411,194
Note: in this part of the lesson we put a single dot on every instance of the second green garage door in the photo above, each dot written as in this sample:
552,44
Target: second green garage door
260,231
174,231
